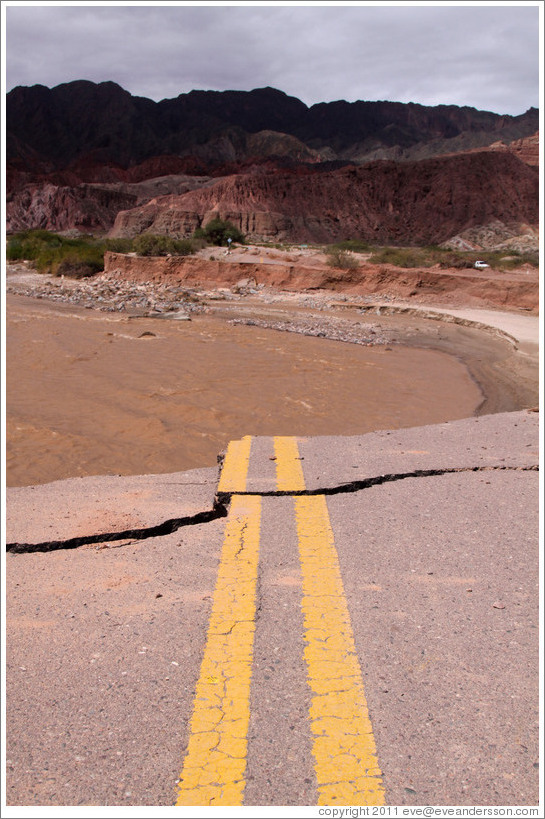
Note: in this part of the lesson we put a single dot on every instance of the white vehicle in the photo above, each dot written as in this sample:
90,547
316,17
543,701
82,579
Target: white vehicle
480,265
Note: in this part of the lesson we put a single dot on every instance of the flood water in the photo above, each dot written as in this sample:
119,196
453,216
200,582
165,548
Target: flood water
90,393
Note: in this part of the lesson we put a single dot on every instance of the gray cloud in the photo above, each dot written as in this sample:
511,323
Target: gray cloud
485,56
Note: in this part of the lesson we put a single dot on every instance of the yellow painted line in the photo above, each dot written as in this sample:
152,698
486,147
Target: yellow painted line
214,767
289,472
346,764
235,466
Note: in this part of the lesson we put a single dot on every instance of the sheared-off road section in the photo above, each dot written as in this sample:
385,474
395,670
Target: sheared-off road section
355,623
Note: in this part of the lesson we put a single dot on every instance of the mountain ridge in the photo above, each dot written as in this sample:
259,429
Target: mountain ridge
422,202
73,119
92,157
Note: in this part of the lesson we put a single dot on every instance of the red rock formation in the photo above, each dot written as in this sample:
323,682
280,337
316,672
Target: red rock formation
75,152
86,207
383,202
49,207
526,149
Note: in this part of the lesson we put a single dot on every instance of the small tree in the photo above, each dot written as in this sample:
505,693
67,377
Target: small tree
218,231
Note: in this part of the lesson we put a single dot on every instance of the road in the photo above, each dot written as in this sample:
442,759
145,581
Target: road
353,622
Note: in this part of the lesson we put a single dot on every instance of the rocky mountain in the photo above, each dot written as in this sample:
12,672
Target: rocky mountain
87,207
383,202
52,129
526,149
81,153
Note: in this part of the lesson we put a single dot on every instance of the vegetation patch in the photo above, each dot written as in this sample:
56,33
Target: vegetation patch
407,257
75,268
280,245
219,232
445,258
336,257
55,254
150,244
509,260
351,245
83,256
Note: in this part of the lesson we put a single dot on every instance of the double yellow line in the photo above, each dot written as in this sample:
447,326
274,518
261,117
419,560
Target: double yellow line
346,766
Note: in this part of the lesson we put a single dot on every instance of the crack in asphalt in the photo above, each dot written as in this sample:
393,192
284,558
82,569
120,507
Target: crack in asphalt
366,483
223,500
219,510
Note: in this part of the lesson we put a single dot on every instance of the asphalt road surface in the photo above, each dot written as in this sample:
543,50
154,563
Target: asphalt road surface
355,623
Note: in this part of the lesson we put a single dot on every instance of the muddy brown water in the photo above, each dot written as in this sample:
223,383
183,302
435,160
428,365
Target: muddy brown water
91,393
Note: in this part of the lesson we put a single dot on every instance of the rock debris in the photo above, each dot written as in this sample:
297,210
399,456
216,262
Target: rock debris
111,295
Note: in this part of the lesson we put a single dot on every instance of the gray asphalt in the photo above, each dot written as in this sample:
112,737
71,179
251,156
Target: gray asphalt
80,507
437,534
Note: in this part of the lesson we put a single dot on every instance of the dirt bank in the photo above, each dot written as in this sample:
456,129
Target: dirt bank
515,290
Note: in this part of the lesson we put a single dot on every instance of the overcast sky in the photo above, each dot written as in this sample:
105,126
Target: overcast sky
483,55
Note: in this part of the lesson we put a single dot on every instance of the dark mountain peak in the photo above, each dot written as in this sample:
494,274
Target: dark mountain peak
274,94
23,90
89,85
385,169
69,88
83,120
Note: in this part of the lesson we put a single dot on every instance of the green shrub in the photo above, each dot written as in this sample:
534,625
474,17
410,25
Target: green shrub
29,244
150,244
407,257
197,243
76,268
45,236
183,247
84,255
218,231
341,258
517,259
277,245
428,256
120,245
47,251
352,245
456,260
14,250
509,260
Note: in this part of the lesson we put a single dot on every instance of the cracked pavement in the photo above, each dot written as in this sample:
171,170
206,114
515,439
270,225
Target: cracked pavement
111,583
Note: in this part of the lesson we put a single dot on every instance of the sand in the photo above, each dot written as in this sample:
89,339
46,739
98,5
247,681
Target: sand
91,393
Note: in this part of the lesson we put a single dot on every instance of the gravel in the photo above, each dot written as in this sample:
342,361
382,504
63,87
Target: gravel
109,295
